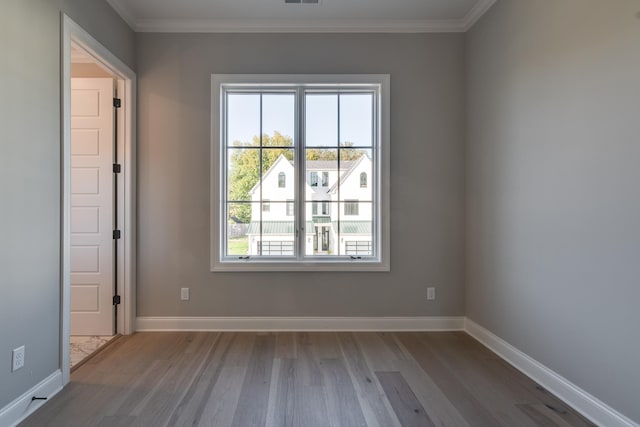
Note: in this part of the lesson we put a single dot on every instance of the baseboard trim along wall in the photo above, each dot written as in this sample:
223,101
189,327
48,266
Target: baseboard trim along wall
308,324
23,406
589,406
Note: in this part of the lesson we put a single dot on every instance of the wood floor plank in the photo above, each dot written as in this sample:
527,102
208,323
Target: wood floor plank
491,391
300,398
514,377
117,421
378,355
285,345
189,410
473,411
403,401
343,407
222,403
301,379
440,409
252,404
375,407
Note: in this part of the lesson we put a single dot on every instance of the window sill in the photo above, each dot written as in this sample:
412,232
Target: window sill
326,266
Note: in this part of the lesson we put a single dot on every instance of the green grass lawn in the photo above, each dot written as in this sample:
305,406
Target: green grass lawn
239,246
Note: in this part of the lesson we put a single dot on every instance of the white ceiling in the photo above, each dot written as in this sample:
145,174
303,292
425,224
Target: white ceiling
276,16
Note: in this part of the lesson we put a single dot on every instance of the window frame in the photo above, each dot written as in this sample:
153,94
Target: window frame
380,83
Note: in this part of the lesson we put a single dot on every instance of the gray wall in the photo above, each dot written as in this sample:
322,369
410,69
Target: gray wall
427,151
553,176
30,176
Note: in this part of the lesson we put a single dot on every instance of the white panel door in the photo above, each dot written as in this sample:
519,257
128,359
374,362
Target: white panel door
92,206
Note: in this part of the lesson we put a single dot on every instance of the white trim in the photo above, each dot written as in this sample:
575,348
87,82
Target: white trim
16,411
123,9
298,26
476,12
589,406
301,25
73,33
307,324
382,261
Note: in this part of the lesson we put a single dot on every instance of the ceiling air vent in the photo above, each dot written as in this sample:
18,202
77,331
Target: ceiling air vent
302,1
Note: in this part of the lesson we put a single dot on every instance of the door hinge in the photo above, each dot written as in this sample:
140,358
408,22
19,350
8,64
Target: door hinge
116,299
117,168
116,234
117,102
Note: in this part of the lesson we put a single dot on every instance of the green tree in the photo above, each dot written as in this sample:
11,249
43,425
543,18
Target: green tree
244,171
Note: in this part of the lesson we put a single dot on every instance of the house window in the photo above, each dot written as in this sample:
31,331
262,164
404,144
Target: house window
351,207
308,129
326,209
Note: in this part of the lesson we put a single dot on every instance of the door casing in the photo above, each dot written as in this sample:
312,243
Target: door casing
126,211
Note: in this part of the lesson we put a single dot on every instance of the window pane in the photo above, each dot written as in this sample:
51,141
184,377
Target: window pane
321,120
278,168
321,228
356,237
278,119
322,173
243,170
278,235
238,223
359,170
356,119
243,119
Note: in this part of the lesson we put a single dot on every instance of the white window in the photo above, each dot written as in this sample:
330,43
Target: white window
329,134
351,207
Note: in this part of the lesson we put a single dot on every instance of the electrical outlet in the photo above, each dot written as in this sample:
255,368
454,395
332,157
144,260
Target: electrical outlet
17,361
431,293
184,294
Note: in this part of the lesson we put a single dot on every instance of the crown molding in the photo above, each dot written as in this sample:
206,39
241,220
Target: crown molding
124,10
300,25
476,12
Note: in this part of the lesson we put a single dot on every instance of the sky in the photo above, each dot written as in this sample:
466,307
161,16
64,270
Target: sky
321,118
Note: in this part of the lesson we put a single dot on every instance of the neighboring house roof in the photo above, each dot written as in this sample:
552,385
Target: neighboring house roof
287,227
354,227
325,165
272,168
275,227
346,175
328,165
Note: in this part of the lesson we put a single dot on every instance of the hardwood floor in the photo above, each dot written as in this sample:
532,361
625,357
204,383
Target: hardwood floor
301,379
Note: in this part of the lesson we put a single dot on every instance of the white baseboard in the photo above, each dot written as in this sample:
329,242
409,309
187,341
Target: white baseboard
23,406
589,406
310,324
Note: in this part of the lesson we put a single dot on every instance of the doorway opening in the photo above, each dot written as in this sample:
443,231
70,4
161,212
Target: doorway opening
98,94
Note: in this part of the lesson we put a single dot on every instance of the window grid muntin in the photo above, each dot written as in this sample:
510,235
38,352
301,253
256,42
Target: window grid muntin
299,147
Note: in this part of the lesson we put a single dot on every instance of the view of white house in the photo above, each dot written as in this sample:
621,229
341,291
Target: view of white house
338,209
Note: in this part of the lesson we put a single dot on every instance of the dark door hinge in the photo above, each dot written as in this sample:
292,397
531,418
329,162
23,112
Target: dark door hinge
116,299
117,102
117,168
116,234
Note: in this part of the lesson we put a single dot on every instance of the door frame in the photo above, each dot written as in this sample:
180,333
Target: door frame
72,33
